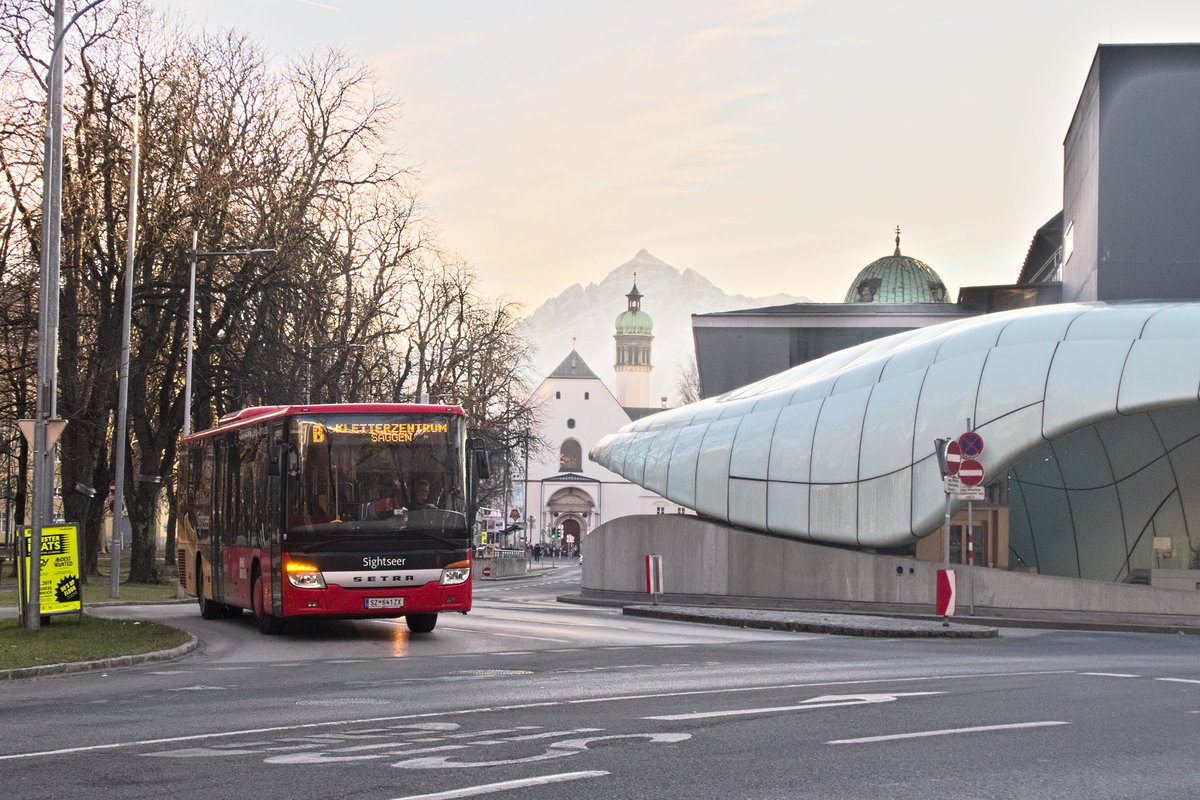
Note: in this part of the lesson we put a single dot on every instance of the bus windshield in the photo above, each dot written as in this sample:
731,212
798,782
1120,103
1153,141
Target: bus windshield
356,477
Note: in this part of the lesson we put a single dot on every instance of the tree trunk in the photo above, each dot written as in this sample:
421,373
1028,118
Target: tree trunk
143,566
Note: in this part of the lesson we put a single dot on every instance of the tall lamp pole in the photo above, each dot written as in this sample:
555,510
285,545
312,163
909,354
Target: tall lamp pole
46,403
313,349
191,323
118,513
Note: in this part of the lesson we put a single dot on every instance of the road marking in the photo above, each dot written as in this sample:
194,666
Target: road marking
519,707
827,701
1178,680
535,638
503,786
949,732
554,751
1111,674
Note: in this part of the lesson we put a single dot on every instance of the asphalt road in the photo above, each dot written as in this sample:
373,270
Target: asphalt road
529,698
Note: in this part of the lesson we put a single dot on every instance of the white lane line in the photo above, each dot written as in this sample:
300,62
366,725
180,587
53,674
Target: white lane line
832,701
1111,674
1178,680
949,732
537,638
503,786
519,707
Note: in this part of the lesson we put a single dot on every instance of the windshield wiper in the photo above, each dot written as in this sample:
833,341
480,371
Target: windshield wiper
460,542
308,548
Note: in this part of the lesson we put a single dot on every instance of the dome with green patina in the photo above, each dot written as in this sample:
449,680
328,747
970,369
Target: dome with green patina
897,279
633,321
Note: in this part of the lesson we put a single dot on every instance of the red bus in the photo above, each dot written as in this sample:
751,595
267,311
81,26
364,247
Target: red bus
350,511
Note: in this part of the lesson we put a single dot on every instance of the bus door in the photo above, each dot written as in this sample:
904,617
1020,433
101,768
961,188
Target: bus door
274,516
220,505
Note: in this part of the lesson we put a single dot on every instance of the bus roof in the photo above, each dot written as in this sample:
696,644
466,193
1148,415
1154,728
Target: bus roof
263,413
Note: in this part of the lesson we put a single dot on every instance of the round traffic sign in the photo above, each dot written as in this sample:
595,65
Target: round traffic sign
971,444
970,472
953,457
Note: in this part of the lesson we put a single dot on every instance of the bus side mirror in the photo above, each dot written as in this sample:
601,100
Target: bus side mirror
275,456
482,472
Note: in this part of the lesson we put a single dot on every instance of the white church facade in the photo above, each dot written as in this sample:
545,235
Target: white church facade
566,493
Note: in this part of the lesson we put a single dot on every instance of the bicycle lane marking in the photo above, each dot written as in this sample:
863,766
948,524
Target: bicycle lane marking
330,724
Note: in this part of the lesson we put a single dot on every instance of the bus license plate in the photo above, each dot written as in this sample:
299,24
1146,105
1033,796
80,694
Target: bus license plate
384,602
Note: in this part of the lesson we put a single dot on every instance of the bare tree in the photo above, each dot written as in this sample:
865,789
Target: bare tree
358,303
688,386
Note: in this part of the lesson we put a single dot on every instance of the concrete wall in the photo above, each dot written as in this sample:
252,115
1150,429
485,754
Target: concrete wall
706,559
498,568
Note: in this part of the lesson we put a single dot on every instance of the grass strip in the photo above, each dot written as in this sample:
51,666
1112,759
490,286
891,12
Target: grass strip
70,638
98,590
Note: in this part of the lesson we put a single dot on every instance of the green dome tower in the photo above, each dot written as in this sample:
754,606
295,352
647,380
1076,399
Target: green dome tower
633,337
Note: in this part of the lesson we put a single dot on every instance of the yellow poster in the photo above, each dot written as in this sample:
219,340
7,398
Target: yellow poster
59,570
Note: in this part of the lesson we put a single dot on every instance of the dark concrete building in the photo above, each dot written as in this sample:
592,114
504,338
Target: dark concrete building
1131,172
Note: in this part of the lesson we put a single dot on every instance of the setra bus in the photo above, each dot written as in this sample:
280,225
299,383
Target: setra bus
348,511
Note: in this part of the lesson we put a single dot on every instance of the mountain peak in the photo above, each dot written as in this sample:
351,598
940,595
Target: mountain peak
670,296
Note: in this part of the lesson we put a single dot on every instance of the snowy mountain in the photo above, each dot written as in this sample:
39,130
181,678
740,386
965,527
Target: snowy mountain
587,315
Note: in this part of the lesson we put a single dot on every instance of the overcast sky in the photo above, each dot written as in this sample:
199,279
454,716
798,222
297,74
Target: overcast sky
771,146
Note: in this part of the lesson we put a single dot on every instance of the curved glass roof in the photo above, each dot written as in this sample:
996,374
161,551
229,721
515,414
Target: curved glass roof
1088,410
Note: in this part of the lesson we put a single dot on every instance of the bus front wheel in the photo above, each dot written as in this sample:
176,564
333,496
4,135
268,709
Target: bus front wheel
421,623
267,622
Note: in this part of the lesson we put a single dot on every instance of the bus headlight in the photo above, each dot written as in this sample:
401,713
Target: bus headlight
456,573
304,576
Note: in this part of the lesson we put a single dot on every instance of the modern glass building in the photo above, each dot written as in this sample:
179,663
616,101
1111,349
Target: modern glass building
1089,413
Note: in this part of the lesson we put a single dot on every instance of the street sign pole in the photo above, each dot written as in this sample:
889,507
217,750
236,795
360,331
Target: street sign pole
970,560
948,461
971,444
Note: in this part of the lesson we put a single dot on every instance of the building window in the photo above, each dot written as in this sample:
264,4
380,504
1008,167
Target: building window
681,510
558,395
570,457
659,510
585,396
570,423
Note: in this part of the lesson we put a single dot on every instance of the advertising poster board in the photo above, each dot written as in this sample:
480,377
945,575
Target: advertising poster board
59,578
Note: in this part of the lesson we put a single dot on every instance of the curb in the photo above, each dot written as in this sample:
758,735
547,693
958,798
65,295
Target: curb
104,663
838,624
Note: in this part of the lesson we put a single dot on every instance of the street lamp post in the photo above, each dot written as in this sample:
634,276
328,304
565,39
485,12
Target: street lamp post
191,323
118,534
46,401
313,349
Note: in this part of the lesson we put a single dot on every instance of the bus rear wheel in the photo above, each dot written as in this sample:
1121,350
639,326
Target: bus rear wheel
267,622
421,623
209,609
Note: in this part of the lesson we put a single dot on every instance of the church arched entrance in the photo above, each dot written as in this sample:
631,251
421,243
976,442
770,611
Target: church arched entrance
570,509
572,534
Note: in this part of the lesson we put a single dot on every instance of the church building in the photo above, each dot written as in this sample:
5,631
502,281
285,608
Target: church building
567,495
